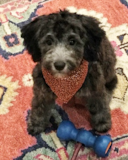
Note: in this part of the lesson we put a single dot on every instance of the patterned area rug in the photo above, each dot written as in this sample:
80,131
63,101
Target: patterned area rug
16,81
5,1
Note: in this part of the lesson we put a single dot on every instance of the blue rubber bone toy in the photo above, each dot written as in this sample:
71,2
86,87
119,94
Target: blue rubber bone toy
100,143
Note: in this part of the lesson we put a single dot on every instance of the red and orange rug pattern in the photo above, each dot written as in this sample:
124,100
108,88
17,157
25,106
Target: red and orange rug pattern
16,81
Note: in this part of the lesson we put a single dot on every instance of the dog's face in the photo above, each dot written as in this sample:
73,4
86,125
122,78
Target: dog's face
60,41
62,49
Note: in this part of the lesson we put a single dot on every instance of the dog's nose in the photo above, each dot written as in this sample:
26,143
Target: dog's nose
59,65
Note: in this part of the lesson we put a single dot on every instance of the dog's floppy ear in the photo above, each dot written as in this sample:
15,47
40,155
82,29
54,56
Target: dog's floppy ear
95,35
30,34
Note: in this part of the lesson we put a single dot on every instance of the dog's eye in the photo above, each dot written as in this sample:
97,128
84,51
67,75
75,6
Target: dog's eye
72,42
49,42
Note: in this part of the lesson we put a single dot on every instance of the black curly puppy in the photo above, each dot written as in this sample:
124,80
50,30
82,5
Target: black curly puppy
59,42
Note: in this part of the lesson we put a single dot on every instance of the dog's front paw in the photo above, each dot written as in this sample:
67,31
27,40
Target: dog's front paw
101,123
35,128
103,127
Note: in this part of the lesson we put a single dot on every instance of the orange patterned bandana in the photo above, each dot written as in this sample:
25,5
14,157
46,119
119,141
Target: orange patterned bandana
66,87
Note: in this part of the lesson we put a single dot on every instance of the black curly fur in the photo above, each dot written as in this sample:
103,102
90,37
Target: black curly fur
93,46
